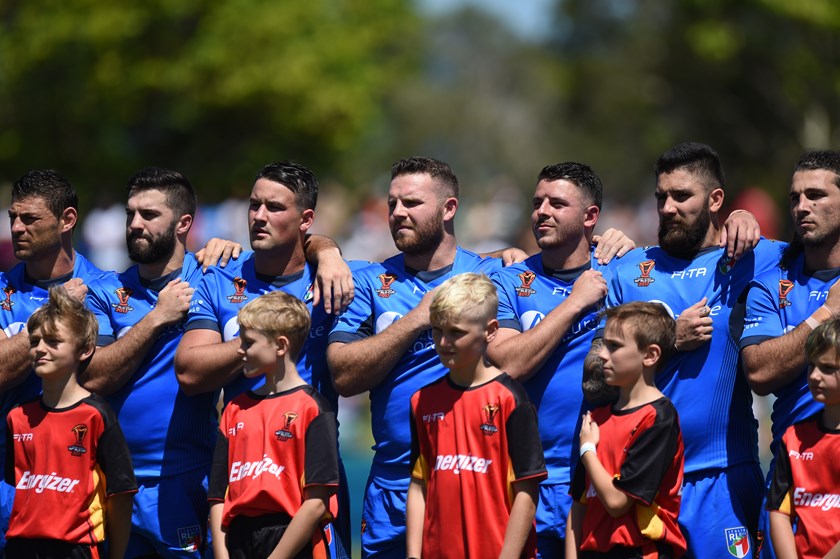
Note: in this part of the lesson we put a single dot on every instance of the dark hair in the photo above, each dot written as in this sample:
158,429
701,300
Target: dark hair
179,192
56,191
820,160
648,323
440,172
697,159
582,176
296,178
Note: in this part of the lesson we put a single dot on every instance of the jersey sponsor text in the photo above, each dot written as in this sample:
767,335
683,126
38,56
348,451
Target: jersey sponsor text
462,462
241,470
41,482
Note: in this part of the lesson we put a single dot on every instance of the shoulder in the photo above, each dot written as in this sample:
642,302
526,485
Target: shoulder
468,261
102,407
513,388
316,399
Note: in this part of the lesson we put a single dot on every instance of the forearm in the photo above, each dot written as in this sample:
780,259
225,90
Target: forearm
314,245
300,529
776,362
521,519
206,367
219,548
14,354
119,524
781,536
615,501
574,523
415,514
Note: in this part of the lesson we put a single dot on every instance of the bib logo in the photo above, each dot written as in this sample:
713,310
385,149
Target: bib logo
726,264
490,412
785,287
189,538
123,294
7,303
646,268
79,431
238,296
527,278
285,433
386,280
737,541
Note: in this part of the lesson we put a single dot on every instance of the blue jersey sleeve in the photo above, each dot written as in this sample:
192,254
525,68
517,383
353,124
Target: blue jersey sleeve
356,322
762,318
202,314
507,315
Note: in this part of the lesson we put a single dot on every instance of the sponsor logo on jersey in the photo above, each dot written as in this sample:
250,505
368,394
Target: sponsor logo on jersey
645,268
43,482
433,417
387,280
458,463
285,433
7,303
490,412
726,264
737,541
79,432
238,296
801,455
527,278
22,437
123,294
189,538
241,470
823,501
785,287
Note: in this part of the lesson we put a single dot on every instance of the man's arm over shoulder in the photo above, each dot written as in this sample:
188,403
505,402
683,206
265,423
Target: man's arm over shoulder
14,353
204,363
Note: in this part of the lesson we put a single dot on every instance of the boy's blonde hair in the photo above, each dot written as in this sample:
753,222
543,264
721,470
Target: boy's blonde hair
278,314
824,338
71,312
648,324
470,296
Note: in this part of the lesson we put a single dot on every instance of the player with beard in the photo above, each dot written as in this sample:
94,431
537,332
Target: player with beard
43,214
786,303
699,283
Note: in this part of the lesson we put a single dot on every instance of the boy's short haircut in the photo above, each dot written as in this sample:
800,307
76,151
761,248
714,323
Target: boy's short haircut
469,296
278,314
824,338
647,323
71,312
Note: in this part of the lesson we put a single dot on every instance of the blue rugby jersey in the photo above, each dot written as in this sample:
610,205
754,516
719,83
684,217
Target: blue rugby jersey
705,385
21,297
527,292
777,302
167,432
384,293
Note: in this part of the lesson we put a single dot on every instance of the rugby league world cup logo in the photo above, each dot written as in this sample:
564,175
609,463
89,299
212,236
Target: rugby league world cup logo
490,412
239,285
7,303
79,432
645,268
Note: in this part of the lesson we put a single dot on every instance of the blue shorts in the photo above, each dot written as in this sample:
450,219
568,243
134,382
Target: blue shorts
170,516
552,511
7,499
383,522
719,509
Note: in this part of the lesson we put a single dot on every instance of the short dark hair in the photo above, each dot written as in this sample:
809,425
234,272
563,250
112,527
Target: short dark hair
820,160
648,323
296,178
440,172
180,195
581,175
697,159
56,191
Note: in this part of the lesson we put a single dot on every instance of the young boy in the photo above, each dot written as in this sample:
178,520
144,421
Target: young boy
275,470
67,457
806,486
476,454
627,484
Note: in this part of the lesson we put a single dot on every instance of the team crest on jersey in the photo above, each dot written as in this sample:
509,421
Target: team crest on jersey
7,303
490,412
737,541
79,432
527,278
310,294
387,280
785,287
189,538
726,264
123,294
238,296
285,433
645,268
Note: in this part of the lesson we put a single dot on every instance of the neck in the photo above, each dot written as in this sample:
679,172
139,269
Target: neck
282,261
435,259
283,378
831,417
474,374
62,392
822,257
54,266
567,258
712,238
165,266
639,393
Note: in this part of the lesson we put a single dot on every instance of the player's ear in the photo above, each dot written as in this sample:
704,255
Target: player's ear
491,330
86,352
184,224
282,344
652,355
450,207
68,219
591,216
715,200
306,218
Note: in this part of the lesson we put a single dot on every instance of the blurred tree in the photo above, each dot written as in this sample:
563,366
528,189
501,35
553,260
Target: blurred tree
216,89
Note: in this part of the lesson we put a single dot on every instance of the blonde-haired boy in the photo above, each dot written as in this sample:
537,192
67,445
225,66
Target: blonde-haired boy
66,454
275,471
476,454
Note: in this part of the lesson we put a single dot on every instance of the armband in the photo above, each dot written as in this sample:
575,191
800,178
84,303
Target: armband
587,447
